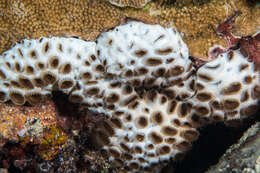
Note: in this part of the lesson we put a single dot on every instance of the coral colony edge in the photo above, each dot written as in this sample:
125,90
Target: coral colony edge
140,76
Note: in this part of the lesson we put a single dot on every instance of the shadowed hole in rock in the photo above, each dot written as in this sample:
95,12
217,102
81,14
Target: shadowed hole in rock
218,136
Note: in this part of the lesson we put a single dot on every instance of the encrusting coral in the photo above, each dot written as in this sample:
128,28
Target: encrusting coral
129,3
141,78
150,56
227,88
197,20
26,19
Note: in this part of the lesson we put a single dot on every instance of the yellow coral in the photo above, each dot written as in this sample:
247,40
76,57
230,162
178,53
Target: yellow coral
52,143
197,20
30,19
130,3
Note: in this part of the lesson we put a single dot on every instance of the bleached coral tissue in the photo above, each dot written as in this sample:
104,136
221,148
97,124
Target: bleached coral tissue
141,77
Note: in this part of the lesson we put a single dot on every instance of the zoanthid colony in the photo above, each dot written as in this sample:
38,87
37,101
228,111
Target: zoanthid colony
141,77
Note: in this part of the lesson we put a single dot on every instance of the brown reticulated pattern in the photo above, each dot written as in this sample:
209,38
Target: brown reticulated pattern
149,58
144,125
31,69
146,134
227,88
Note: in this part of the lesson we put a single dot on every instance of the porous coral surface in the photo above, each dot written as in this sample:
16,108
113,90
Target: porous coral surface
32,19
147,122
197,20
129,3
150,56
227,88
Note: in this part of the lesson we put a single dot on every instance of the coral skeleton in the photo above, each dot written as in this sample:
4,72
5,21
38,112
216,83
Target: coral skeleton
140,76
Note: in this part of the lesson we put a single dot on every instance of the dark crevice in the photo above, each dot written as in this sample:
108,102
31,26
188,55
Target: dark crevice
213,142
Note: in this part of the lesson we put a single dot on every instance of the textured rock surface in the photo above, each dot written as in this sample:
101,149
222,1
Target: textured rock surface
15,120
243,156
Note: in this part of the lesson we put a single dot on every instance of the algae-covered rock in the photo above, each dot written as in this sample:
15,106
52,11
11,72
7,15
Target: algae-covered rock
243,157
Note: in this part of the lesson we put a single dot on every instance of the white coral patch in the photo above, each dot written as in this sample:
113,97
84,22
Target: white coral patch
149,54
140,76
227,88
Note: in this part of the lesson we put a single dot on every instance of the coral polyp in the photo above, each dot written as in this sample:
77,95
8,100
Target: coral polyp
140,76
129,3
227,87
